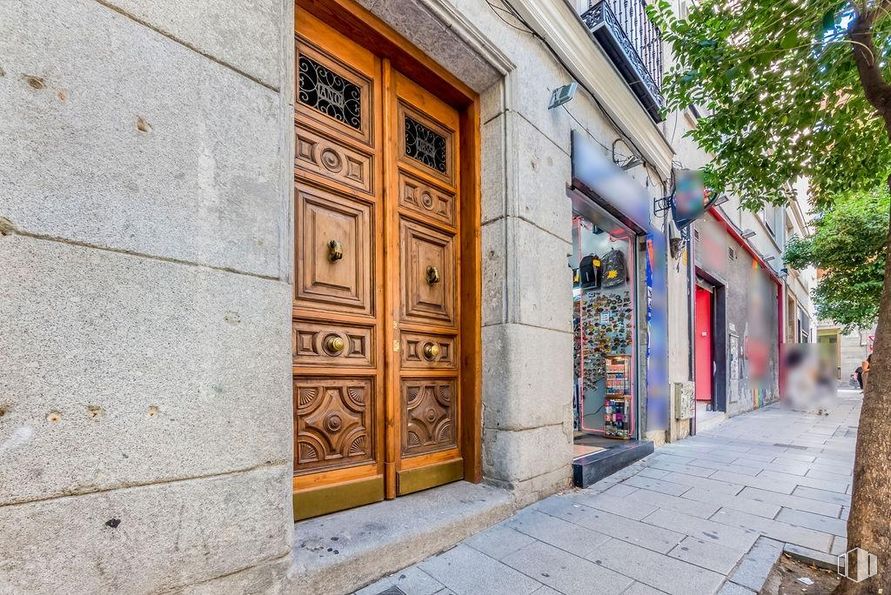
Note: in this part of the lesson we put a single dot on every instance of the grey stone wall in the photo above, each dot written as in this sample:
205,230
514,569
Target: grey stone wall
526,233
145,410
145,208
746,313
853,349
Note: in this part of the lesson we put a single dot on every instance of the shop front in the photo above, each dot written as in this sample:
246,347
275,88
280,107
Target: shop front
617,265
738,331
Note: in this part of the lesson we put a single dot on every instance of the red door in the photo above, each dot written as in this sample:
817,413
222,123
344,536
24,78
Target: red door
704,355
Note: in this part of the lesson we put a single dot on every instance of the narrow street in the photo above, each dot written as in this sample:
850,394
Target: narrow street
707,514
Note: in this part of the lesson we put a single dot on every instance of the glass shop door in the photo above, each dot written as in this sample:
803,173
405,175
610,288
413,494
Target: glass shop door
604,269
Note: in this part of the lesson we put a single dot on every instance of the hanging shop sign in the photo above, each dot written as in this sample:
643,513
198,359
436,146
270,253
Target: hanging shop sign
608,185
691,198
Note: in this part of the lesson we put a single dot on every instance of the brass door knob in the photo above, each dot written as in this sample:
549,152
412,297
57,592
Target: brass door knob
431,351
432,275
334,344
335,250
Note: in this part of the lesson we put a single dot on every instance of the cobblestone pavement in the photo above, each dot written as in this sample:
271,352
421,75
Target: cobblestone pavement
709,514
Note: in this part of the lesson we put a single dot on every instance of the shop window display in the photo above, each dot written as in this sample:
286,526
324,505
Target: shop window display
603,264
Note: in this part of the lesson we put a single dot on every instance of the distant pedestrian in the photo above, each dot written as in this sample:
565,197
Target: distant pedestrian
864,373
859,373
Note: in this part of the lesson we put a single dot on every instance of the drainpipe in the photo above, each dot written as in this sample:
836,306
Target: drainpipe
691,310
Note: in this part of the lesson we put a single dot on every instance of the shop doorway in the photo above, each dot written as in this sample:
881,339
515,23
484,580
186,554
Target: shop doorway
385,317
704,346
606,281
710,349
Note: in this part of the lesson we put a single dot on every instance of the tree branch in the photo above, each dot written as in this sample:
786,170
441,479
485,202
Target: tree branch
876,88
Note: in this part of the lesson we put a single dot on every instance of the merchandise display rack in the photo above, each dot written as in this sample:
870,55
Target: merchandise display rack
618,403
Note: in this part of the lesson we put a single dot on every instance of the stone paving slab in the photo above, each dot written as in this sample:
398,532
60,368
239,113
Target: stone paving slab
635,510
839,484
739,502
822,495
775,529
466,570
658,571
499,541
818,559
565,572
693,481
707,554
756,565
817,522
686,505
658,485
635,532
790,501
710,514
561,534
411,580
641,589
734,589
654,473
722,534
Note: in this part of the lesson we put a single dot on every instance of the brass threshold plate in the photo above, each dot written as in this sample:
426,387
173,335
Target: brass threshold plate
325,499
415,480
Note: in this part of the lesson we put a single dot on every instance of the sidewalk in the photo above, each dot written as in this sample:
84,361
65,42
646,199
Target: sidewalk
708,514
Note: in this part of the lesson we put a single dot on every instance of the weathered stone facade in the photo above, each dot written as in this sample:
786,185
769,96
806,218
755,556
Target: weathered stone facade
144,337
146,187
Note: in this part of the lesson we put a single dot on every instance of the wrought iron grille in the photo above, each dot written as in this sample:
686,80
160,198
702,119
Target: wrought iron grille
634,43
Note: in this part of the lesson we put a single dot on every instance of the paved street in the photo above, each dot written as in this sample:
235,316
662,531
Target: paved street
707,514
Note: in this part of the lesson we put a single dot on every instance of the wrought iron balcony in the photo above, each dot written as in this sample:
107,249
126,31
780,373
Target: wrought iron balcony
634,44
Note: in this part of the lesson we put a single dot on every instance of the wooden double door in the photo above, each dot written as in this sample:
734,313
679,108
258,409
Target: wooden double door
377,314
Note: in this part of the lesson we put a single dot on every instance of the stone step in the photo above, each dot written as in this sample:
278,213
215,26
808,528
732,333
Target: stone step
341,552
591,468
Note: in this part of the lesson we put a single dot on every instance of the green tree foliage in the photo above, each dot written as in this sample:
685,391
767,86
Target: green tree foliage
849,245
795,88
781,94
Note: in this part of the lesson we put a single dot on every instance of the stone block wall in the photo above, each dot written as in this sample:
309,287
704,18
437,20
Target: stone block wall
145,409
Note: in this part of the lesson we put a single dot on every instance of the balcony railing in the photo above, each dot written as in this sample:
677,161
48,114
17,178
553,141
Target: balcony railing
634,44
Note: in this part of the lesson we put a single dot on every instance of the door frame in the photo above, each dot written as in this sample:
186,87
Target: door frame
720,330
703,289
360,25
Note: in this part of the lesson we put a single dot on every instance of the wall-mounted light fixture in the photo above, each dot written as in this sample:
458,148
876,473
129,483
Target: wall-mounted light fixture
769,258
563,94
720,200
748,233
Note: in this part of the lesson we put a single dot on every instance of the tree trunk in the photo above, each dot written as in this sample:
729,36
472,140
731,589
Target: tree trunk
869,523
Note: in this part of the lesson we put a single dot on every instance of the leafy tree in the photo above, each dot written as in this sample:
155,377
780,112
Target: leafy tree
795,88
849,246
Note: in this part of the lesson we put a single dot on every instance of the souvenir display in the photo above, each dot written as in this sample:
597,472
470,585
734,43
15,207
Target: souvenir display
601,324
617,417
617,405
590,272
614,272
603,327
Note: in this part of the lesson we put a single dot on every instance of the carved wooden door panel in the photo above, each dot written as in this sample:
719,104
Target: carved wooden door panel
376,350
422,264
338,302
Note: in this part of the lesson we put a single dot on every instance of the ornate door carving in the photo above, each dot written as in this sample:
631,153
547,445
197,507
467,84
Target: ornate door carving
338,305
376,315
425,288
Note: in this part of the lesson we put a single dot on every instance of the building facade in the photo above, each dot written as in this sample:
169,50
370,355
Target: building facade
845,350
269,262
